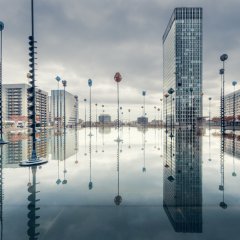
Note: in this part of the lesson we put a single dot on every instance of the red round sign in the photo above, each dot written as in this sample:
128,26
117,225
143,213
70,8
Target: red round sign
118,77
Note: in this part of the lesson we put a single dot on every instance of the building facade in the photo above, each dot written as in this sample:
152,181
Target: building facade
229,104
182,66
104,118
57,108
15,104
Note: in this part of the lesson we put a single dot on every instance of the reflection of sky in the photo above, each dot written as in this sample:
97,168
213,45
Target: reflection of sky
72,211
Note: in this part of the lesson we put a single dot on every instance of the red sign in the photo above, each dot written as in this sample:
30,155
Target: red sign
118,77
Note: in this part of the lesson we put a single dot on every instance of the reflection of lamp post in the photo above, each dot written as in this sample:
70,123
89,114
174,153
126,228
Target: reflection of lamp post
166,95
209,116
64,82
90,106
1,107
118,198
223,58
118,78
171,91
234,83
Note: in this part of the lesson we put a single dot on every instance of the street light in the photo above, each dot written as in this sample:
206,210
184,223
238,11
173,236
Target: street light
85,126
171,91
118,78
234,83
223,58
64,82
144,94
209,116
34,159
90,106
1,107
58,79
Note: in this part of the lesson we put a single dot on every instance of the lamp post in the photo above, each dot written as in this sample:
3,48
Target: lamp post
223,58
96,127
1,107
234,83
58,79
90,106
209,115
166,95
85,121
64,82
171,91
129,110
118,78
144,94
34,159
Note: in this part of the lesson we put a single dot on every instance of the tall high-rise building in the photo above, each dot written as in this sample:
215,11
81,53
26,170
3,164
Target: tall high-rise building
15,104
182,66
57,107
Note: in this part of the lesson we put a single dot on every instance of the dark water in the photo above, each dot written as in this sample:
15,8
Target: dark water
149,186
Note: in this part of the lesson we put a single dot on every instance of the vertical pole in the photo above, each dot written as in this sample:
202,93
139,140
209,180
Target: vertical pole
1,107
34,154
64,110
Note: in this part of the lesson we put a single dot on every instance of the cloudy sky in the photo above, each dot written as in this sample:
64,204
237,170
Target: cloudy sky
82,39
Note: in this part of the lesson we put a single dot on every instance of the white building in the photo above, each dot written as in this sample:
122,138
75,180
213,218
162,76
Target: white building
15,104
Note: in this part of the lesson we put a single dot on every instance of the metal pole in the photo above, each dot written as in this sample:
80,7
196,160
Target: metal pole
64,110
1,106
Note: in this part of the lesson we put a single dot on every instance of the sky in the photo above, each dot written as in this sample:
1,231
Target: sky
82,39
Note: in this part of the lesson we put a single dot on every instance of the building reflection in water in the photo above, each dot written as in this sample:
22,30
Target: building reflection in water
33,217
232,148
19,147
182,191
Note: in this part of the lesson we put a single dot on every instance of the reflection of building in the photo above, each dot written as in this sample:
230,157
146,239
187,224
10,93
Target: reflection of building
57,99
104,118
57,145
232,145
229,103
15,103
182,191
182,68
19,148
142,120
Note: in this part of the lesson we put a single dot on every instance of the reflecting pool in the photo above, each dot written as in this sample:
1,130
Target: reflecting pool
147,186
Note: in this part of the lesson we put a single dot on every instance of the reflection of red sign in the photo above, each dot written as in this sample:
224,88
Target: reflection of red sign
18,118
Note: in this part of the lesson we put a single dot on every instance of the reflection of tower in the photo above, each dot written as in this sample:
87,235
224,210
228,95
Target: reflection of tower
129,136
209,146
57,154
182,198
118,198
32,215
222,204
76,145
233,154
64,159
90,185
144,150
1,190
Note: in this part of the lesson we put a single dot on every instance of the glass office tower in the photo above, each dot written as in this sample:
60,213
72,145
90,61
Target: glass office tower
182,66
